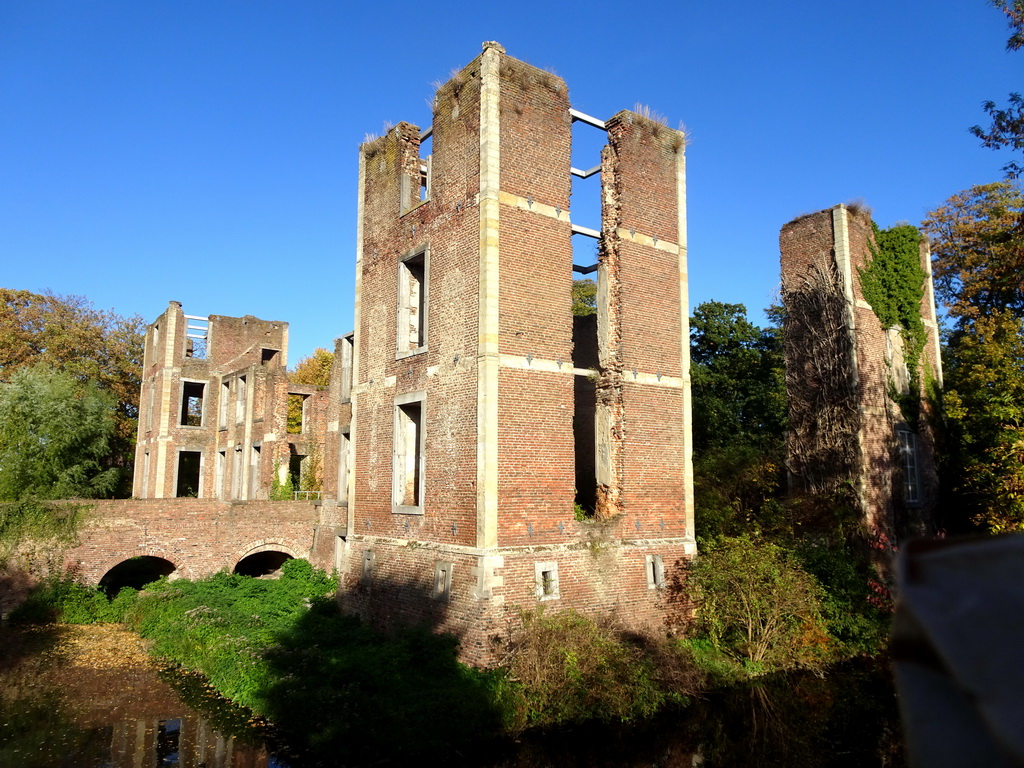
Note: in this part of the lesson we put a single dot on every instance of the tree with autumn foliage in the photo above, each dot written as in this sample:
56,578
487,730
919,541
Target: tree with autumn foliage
977,241
94,347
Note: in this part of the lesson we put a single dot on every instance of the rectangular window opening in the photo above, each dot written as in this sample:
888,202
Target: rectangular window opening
192,403
190,465
344,446
240,404
222,465
296,413
222,411
255,467
546,575
911,476
296,468
584,432
442,580
412,303
408,459
655,572
426,156
369,560
347,348
268,356
236,474
145,475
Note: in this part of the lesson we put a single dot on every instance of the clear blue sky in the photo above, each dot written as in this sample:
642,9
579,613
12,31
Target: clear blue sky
206,151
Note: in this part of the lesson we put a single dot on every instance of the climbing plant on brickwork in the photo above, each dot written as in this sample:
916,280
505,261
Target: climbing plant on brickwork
823,413
893,284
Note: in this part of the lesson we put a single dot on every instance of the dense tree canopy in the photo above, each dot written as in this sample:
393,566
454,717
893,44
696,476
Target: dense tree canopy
737,378
978,245
55,437
66,333
977,240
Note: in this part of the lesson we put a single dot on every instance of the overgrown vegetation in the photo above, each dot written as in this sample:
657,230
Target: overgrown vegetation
52,525
567,668
335,687
893,284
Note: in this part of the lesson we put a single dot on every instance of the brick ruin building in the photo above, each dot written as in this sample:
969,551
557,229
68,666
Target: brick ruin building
848,382
470,417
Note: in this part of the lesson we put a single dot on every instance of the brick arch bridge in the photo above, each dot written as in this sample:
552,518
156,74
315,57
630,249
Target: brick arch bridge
197,536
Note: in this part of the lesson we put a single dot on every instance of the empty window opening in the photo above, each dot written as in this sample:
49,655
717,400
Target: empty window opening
296,413
268,356
240,404
156,343
412,303
344,446
255,470
426,158
296,468
546,575
190,465
236,474
192,403
911,477
145,475
149,409
369,561
222,410
264,565
408,459
339,553
222,465
442,580
135,573
584,432
347,348
655,571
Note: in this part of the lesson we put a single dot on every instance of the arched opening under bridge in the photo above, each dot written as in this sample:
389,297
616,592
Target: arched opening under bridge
136,573
265,564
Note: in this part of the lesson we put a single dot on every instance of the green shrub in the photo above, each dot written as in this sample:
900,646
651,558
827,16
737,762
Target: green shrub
568,668
63,598
756,604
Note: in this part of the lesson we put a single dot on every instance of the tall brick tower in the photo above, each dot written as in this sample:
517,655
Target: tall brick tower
847,377
479,415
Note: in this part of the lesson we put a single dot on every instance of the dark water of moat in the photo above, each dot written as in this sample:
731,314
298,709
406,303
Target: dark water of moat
94,714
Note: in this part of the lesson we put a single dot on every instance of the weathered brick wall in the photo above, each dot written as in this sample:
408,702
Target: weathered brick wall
198,536
499,280
598,575
831,235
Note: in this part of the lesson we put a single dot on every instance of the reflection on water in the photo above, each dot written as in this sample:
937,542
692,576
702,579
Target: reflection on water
89,697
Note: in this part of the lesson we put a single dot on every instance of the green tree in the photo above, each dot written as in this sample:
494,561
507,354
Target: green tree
739,410
737,378
55,435
1007,129
984,403
756,604
584,297
978,245
67,334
